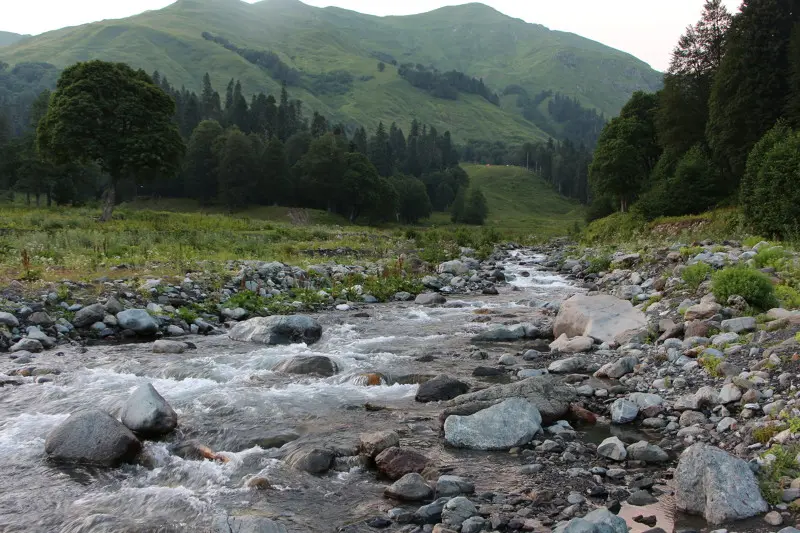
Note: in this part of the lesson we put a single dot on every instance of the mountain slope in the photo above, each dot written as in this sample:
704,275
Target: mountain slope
471,38
7,38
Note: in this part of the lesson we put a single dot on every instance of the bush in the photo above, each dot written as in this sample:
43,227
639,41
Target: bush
770,190
769,257
750,284
694,275
788,296
599,264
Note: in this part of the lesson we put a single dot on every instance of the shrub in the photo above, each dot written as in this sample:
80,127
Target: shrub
694,275
711,364
788,296
772,256
750,284
599,264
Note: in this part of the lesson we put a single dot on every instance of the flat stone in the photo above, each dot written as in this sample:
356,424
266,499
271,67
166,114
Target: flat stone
612,448
411,487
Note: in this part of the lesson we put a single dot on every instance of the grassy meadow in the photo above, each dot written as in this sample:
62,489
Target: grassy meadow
172,236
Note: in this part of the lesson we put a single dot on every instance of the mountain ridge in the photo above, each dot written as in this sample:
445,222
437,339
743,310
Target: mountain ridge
471,38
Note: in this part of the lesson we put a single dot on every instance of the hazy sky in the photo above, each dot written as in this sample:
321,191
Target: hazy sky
647,29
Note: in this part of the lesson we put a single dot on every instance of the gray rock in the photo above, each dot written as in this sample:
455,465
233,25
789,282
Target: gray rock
550,397
649,453
440,388
617,369
600,520
602,317
371,444
36,334
7,319
453,486
277,330
501,334
612,448
411,487
623,411
571,365
246,524
175,331
92,437
742,324
513,422
147,413
139,321
310,459
773,518
89,315
430,513
430,298
308,364
475,524
40,318
641,498
113,306
28,345
458,510
171,347
645,401
456,268
713,483
730,393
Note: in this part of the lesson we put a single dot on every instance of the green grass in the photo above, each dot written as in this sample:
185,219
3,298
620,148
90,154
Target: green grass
522,201
471,38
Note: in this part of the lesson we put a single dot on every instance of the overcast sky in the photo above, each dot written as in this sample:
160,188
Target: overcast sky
647,29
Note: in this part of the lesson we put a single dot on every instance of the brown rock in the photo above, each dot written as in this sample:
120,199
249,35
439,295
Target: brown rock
696,328
396,462
372,444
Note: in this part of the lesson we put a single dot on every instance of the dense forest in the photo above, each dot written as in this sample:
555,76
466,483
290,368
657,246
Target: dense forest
722,131
265,151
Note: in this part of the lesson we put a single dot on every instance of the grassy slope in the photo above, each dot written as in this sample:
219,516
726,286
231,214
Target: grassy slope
7,38
472,38
522,201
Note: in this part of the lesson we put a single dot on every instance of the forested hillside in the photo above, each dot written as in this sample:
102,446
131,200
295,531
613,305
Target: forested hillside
722,131
469,68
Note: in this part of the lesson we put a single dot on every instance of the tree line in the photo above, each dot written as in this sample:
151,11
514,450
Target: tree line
723,130
228,152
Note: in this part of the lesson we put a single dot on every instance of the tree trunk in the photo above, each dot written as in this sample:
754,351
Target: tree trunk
108,203
37,199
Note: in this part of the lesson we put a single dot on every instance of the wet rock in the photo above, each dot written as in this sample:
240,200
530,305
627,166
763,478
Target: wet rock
318,365
458,510
9,320
600,520
246,524
612,448
430,513
92,437
430,298
453,486
649,453
440,388
113,306
488,372
550,397
501,334
89,315
579,344
146,412
138,321
513,422
573,365
623,411
617,369
713,483
641,498
274,330
371,444
165,346
310,459
602,317
194,450
411,487
395,462
27,345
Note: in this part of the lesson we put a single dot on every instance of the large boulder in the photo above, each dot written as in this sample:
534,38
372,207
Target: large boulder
7,319
139,321
88,315
440,388
455,267
147,412
598,521
550,397
308,364
513,422
603,317
571,365
170,347
92,437
713,483
396,462
563,344
277,330
430,298
310,459
612,448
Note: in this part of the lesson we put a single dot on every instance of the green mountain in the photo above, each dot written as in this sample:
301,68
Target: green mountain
7,38
334,55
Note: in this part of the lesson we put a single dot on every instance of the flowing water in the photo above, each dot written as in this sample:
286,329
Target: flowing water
227,398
